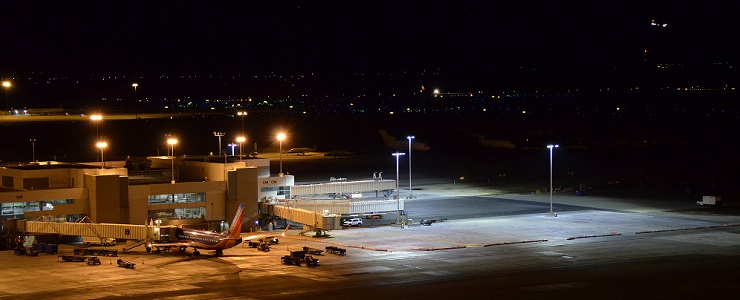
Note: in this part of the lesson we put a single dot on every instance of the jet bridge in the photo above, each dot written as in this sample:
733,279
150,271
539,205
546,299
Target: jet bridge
344,207
322,215
343,187
118,231
101,230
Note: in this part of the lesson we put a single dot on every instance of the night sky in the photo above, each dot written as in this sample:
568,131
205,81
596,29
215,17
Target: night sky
350,36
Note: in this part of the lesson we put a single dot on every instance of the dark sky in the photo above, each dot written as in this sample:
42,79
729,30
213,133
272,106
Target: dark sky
323,36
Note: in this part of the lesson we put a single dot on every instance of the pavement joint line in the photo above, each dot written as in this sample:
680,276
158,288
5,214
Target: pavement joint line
435,249
593,236
687,228
513,243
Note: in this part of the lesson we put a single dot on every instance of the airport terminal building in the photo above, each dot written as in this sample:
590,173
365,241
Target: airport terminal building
197,192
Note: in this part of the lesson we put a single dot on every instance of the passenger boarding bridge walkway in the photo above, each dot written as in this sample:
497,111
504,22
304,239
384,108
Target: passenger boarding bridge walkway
117,231
316,214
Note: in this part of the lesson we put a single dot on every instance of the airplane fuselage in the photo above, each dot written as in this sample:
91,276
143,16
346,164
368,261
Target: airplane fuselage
207,240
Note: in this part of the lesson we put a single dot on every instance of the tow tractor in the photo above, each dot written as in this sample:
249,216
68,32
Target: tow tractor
298,257
261,245
336,250
125,264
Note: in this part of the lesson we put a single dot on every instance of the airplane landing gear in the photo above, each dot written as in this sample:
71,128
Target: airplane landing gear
219,252
196,252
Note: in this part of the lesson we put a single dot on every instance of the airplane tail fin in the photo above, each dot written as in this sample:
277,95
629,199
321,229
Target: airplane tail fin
236,225
386,138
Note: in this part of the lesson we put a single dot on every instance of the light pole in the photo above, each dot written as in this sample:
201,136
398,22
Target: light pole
135,85
281,137
6,85
242,114
240,140
410,137
398,197
219,135
172,142
136,99
551,214
96,119
33,150
102,145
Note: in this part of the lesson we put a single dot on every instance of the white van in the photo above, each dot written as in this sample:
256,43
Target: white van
94,240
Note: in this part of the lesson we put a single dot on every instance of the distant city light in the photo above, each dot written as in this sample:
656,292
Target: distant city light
653,23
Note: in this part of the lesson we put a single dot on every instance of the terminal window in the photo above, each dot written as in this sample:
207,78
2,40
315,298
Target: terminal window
15,210
281,190
178,213
176,198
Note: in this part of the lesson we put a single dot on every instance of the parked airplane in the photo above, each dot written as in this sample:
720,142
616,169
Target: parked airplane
208,240
395,144
338,153
494,143
301,151
39,111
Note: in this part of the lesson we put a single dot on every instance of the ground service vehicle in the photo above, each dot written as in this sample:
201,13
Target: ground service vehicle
710,200
73,258
269,240
313,251
95,252
93,261
336,250
94,240
264,247
25,251
353,222
298,257
125,264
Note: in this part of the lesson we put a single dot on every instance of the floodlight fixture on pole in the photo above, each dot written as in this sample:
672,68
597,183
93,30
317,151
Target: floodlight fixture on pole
240,140
135,85
280,138
551,213
242,114
102,145
97,118
219,135
172,142
33,150
136,99
410,137
6,85
398,197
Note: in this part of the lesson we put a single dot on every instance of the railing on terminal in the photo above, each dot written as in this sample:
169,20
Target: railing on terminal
151,176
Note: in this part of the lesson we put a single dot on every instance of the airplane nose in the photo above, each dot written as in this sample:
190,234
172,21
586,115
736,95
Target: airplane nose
238,241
